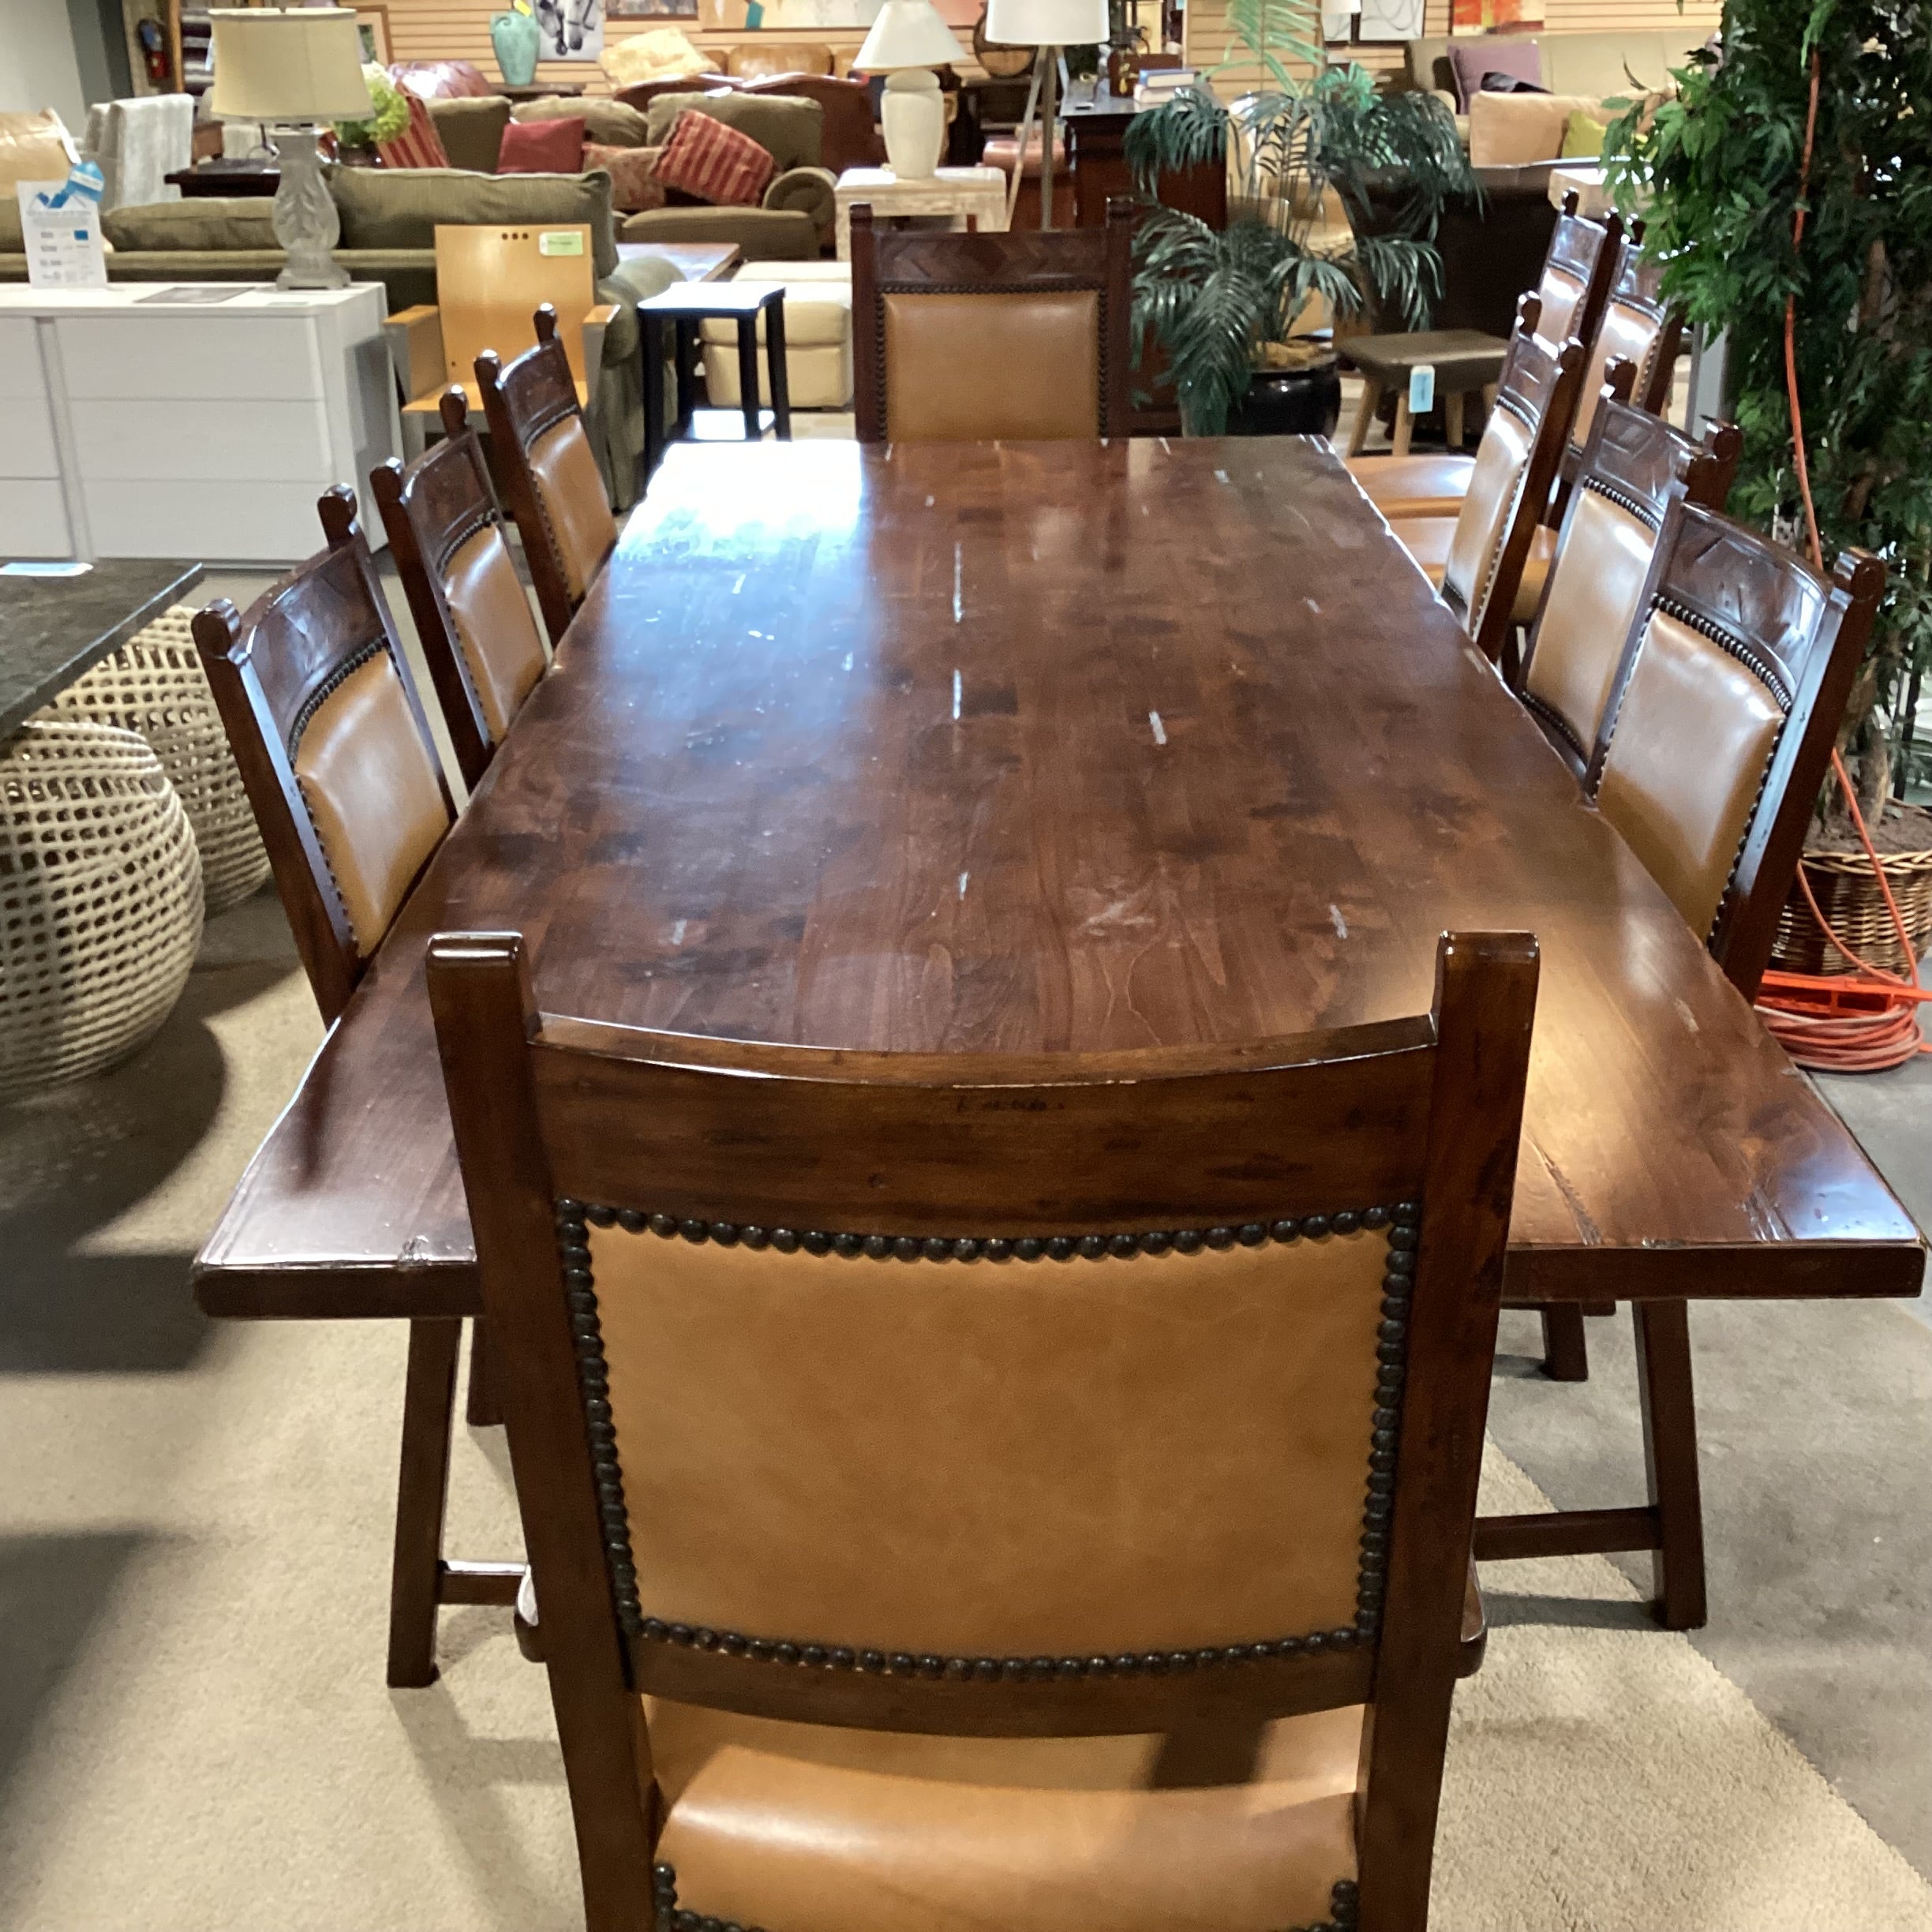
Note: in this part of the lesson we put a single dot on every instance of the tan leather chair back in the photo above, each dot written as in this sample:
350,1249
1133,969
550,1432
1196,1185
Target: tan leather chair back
980,1395
1635,467
1577,267
1637,327
334,750
549,472
478,631
1510,483
1711,756
972,338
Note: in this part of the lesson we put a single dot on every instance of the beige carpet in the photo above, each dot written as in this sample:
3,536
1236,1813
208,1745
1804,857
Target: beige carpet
199,1547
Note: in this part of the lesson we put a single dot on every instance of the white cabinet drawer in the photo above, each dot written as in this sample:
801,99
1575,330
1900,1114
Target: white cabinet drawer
193,355
33,520
26,444
161,442
215,522
19,358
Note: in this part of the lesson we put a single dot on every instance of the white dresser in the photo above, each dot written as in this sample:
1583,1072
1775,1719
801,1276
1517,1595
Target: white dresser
154,420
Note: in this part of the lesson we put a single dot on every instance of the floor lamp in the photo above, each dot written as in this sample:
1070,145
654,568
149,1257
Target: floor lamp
1050,25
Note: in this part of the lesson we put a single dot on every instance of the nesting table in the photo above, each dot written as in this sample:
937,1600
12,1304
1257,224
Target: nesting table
682,307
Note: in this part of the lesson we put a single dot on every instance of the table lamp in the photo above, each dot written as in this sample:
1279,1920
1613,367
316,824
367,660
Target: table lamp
908,41
294,70
1049,25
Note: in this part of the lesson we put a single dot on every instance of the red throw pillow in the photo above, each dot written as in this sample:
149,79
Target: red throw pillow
542,147
635,185
714,162
419,145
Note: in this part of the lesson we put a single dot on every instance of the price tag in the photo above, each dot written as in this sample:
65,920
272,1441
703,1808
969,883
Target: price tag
1422,389
559,242
61,231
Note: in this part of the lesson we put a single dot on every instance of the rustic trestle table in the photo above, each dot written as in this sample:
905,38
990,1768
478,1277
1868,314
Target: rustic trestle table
1053,747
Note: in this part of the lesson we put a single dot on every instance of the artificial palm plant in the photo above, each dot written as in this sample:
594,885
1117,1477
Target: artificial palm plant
1215,298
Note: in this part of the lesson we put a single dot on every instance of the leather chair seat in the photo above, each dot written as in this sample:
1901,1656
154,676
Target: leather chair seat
800,1827
1003,150
1429,486
1427,539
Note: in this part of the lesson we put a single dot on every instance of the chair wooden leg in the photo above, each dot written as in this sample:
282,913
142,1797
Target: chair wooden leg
1452,419
1365,416
482,1408
1669,1403
422,1489
1405,423
1565,1354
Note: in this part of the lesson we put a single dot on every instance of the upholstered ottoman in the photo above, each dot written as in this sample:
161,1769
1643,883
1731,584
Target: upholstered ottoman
818,334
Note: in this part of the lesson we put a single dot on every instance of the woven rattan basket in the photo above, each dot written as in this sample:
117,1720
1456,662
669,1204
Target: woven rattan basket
154,685
1847,894
100,900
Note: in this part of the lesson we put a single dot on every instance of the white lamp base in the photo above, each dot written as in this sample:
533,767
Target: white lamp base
912,115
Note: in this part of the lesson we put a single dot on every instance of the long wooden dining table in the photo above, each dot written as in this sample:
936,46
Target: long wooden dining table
1037,748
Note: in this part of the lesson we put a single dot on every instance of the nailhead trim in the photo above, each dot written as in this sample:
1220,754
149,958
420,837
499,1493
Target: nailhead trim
1344,1908
327,689
1753,661
1557,723
574,1220
1625,500
476,517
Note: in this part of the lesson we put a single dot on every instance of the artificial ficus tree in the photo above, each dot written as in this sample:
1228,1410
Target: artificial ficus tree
1718,173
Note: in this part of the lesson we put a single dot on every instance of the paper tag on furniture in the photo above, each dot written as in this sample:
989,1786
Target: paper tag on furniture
1421,388
560,241
61,230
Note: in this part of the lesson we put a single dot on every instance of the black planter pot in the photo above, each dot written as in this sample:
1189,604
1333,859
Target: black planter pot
1288,403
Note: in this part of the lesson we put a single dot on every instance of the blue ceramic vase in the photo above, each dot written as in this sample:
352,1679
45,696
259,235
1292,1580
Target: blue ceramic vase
513,36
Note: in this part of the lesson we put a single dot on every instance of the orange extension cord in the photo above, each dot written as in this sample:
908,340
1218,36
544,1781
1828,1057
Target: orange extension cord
1866,1020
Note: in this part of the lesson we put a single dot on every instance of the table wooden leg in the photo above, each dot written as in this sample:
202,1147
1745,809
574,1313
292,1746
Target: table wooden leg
1452,418
1664,1388
686,375
422,1489
780,372
1405,423
748,376
481,1410
1365,416
1565,1353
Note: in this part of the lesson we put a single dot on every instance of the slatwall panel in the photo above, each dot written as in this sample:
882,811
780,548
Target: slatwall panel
425,30
1207,33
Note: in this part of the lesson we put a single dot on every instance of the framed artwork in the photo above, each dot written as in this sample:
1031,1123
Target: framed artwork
1477,16
372,29
1370,22
570,30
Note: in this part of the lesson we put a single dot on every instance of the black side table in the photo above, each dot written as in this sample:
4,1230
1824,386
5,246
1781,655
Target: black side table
684,304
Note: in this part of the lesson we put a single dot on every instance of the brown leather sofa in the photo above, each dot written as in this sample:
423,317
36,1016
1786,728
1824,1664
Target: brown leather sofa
849,136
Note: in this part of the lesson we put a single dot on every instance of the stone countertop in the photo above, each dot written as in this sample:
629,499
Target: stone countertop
53,628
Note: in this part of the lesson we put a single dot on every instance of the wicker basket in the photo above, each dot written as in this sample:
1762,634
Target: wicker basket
1847,894
154,685
100,900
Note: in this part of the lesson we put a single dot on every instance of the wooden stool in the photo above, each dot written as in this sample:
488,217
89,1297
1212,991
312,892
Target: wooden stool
1464,359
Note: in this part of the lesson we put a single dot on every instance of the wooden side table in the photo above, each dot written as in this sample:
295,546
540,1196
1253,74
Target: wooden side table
684,305
1464,359
974,197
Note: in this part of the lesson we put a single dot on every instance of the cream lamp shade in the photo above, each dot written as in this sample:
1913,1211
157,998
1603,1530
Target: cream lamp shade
1046,23
907,33
289,65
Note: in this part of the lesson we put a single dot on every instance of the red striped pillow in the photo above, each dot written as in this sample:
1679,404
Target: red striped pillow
715,163
419,145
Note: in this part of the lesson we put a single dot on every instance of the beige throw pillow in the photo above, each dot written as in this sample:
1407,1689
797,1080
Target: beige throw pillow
1512,130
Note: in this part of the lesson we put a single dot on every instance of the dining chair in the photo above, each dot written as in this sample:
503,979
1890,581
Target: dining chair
335,755
549,472
1636,326
1584,259
1480,558
1708,761
957,1489
979,338
478,633
1633,467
